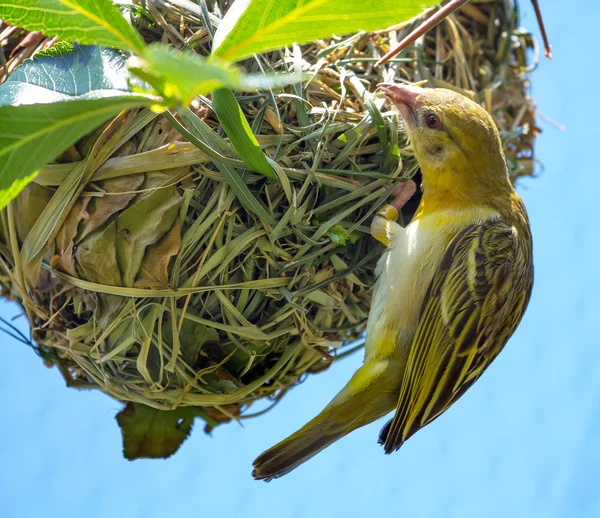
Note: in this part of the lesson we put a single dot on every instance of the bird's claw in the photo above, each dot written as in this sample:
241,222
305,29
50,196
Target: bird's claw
380,228
389,212
384,222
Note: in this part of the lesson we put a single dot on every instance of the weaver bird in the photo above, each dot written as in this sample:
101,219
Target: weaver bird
452,286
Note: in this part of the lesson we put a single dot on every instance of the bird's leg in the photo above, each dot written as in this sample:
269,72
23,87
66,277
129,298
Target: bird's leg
384,223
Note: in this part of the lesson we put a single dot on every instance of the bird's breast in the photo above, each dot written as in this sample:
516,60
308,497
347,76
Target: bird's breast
405,272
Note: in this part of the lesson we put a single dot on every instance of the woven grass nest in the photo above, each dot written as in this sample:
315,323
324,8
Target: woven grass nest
166,292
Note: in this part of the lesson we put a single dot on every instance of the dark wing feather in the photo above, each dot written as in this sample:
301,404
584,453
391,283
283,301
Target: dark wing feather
473,305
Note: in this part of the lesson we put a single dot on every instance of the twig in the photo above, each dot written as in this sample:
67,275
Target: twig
538,15
428,24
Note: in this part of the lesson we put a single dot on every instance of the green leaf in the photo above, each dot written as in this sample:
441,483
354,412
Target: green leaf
33,135
338,234
239,132
141,225
178,77
66,73
92,83
251,27
378,121
85,21
181,76
13,190
96,256
149,433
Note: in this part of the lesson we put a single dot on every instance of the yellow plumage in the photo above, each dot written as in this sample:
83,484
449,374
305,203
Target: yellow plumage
452,286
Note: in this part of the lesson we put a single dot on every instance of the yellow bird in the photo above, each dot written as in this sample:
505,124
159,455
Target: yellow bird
452,286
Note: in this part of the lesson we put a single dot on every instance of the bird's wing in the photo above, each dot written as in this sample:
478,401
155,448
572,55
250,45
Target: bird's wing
474,303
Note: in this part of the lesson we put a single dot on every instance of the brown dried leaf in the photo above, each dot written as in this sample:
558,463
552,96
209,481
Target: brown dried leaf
33,39
141,225
71,154
43,234
103,208
96,257
162,133
154,270
220,415
63,259
127,149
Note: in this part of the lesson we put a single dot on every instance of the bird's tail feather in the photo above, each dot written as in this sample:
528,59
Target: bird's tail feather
291,452
368,396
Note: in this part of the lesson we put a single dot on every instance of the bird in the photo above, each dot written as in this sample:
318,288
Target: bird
452,286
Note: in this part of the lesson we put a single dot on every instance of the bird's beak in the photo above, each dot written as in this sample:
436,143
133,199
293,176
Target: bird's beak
405,98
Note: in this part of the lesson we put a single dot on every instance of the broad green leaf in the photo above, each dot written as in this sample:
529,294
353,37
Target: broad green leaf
33,135
254,26
178,77
65,73
338,234
239,132
13,190
93,81
149,433
85,21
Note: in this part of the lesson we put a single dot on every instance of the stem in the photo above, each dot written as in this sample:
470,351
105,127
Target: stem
428,24
538,15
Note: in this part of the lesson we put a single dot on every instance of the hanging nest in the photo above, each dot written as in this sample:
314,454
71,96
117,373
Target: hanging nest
166,291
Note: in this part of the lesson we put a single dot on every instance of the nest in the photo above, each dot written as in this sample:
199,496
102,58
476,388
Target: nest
163,288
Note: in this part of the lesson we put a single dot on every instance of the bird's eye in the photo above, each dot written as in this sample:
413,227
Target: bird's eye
432,121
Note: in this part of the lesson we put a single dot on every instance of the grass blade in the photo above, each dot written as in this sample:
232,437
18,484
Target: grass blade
239,132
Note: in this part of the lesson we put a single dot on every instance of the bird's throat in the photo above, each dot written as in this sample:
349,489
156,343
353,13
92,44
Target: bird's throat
461,190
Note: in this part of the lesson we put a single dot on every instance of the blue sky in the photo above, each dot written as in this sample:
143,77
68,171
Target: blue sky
523,442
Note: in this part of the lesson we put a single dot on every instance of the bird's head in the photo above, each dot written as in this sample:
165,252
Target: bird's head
455,140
